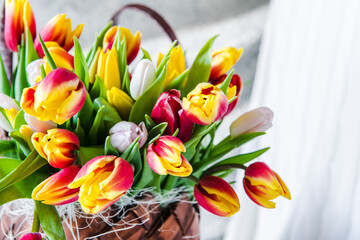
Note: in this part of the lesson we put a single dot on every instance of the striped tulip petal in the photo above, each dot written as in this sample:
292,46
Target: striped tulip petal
216,196
31,236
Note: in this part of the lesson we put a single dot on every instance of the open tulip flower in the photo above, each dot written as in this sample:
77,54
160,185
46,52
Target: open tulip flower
216,196
132,41
164,157
223,60
58,97
102,181
18,17
58,29
262,184
58,146
31,236
205,104
168,108
54,190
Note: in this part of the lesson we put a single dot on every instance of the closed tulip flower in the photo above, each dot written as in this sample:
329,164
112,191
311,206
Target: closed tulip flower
58,146
262,185
176,64
144,75
164,157
108,68
223,60
18,17
54,190
233,90
216,196
31,236
102,181
168,108
132,41
33,71
58,29
121,102
205,104
11,109
58,97
257,120
124,133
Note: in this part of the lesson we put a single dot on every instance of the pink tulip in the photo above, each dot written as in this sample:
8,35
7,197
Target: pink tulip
262,185
216,196
31,236
257,120
168,108
124,133
54,190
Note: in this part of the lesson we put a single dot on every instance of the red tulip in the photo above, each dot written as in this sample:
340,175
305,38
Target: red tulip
168,108
31,236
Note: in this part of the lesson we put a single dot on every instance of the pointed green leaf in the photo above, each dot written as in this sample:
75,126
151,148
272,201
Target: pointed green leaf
126,82
81,68
149,122
5,86
20,79
98,89
146,54
178,82
19,119
80,133
126,153
136,160
17,137
30,53
224,86
157,130
85,114
47,54
242,158
93,134
165,60
109,149
111,116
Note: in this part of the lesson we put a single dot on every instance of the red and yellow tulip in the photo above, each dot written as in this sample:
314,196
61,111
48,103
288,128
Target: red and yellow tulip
54,190
18,17
223,60
176,64
205,104
58,146
102,181
233,90
168,108
262,184
60,56
58,29
164,157
216,196
132,41
58,97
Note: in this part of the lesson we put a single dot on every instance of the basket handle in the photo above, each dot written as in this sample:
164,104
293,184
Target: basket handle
153,14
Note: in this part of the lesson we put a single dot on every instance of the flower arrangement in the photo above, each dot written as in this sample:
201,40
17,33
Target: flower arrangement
83,128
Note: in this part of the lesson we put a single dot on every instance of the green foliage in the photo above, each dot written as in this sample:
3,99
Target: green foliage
20,81
49,59
98,89
5,86
81,68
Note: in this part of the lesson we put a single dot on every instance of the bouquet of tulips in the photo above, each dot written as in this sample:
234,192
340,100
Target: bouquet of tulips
81,127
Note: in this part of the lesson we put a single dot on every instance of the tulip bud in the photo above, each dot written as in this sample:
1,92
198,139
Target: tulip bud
26,133
144,75
18,17
262,184
132,42
233,90
58,146
176,64
31,236
124,133
205,104
121,102
37,125
58,29
54,190
58,97
257,120
108,69
102,181
33,71
223,60
168,108
164,157
216,196
11,109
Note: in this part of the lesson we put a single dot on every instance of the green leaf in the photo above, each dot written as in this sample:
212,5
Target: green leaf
47,54
20,81
30,52
136,160
98,43
7,149
224,86
88,153
43,72
242,158
50,221
201,68
148,176
109,149
120,46
165,60
178,82
93,134
85,114
18,138
126,82
149,122
98,89
111,116
81,68
146,54
125,155
147,100
19,119
157,131
80,133
5,86
199,132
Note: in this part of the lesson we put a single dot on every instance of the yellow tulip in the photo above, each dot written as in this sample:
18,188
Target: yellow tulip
121,101
108,68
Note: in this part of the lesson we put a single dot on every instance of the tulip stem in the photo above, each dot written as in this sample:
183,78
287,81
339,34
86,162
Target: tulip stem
223,167
193,178
35,223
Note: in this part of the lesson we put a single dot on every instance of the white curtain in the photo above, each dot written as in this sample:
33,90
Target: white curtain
309,74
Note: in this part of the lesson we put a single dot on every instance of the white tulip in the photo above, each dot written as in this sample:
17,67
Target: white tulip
7,103
144,75
38,126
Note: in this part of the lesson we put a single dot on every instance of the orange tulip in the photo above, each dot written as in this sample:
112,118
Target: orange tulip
223,60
